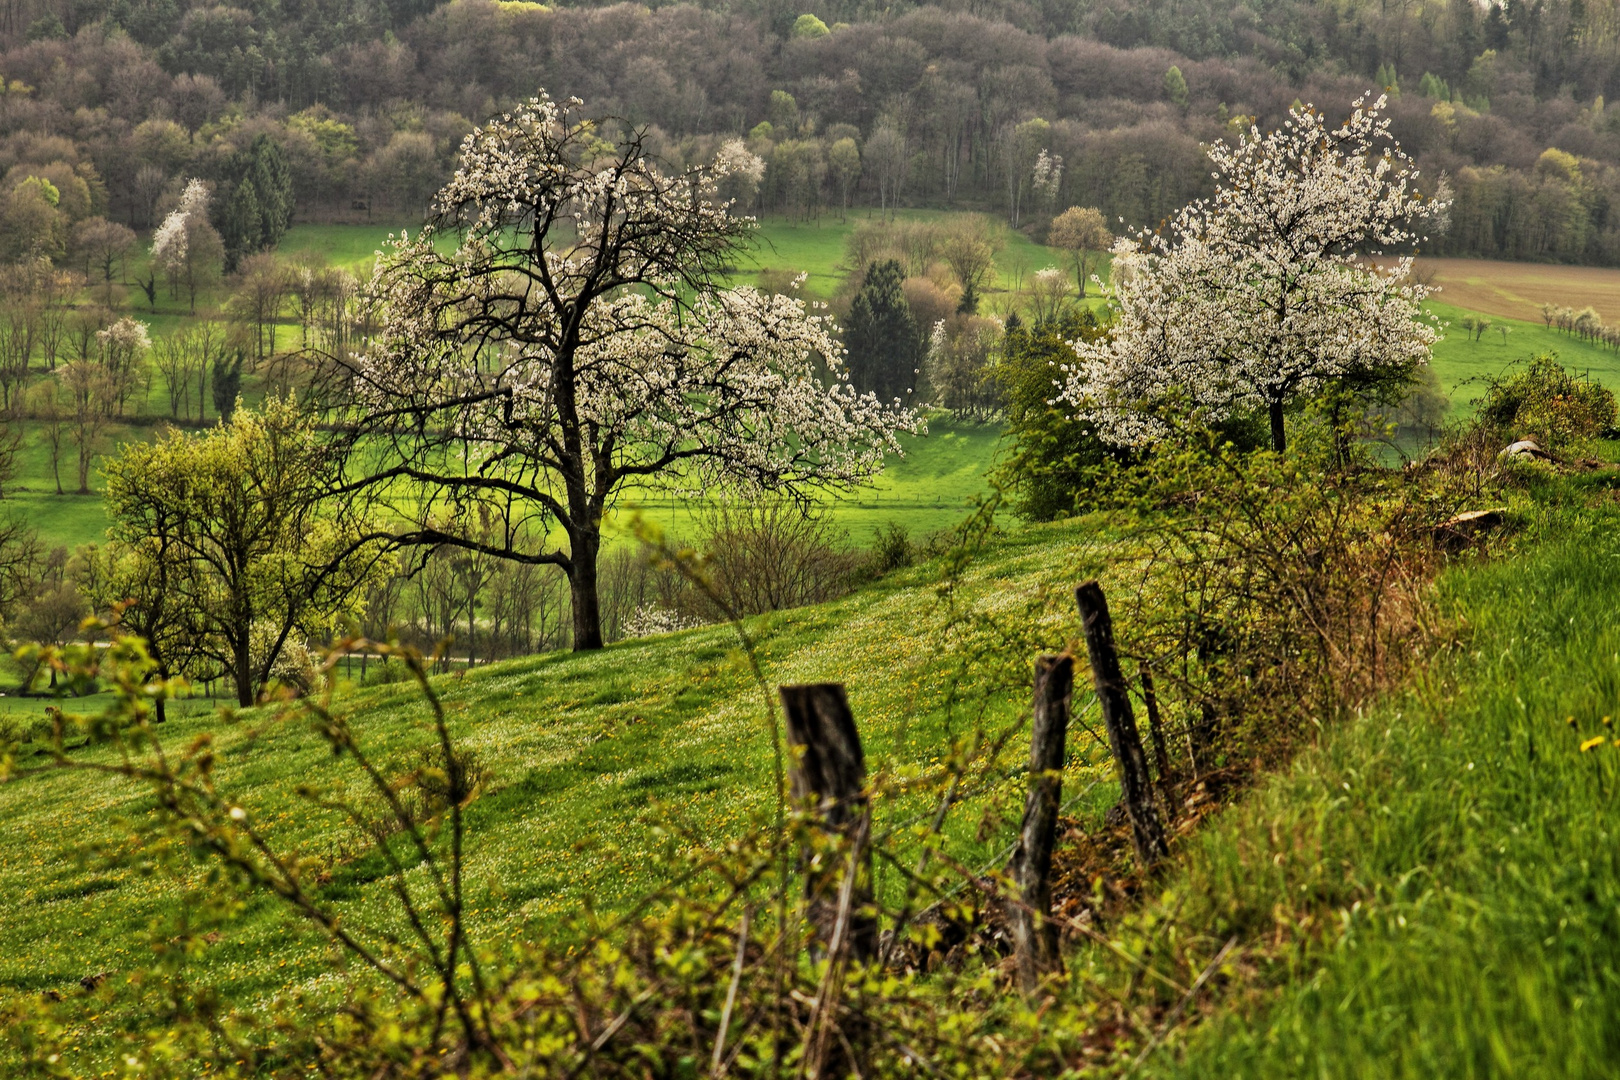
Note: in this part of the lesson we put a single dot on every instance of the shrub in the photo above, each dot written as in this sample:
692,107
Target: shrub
892,549
771,554
1047,470
1266,596
1561,409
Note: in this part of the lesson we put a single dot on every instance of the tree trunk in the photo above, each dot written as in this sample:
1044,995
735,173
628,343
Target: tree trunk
242,661
1279,435
586,544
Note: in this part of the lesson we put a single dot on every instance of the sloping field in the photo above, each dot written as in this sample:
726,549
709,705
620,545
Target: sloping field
1517,290
586,753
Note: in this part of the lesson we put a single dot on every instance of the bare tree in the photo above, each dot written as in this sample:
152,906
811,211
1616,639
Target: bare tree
890,163
969,249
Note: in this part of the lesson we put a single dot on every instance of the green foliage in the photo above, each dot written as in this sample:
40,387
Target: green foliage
272,181
1560,409
808,26
1432,86
241,227
892,548
227,382
1047,467
260,207
234,553
1175,86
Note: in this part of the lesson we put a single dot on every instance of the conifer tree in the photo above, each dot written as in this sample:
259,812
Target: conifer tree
885,347
241,229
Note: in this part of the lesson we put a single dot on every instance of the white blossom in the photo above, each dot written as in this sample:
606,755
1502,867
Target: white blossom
735,159
548,371
650,619
1046,177
169,241
126,336
1270,289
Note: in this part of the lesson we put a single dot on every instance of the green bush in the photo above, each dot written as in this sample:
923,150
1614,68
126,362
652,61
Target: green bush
1045,472
1561,409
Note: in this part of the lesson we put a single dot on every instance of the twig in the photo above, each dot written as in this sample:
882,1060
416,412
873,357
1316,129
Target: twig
731,996
1181,1006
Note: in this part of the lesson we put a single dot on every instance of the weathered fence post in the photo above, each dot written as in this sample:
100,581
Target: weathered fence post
1035,939
828,774
1161,753
1135,785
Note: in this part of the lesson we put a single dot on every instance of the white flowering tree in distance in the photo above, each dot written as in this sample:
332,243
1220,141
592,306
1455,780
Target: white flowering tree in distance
575,340
1276,287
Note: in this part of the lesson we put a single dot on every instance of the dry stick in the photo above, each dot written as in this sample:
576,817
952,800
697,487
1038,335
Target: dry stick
731,996
829,775
1034,934
1135,786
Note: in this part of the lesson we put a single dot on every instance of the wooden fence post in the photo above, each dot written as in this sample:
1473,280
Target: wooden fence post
828,774
1161,753
1135,785
1035,939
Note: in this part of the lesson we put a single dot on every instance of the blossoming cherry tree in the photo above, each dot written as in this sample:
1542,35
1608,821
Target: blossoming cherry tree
575,340
1279,286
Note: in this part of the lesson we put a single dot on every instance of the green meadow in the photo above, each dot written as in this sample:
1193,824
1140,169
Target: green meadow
1429,889
586,755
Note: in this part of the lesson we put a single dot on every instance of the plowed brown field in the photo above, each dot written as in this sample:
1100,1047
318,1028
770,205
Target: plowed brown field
1517,290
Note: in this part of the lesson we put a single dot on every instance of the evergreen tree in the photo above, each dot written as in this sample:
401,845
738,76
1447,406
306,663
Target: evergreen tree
885,346
227,382
272,183
1175,86
240,228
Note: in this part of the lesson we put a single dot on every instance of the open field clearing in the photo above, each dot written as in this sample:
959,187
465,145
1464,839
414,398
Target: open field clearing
1464,362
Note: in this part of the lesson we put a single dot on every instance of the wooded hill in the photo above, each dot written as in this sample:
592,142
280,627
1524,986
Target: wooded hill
940,104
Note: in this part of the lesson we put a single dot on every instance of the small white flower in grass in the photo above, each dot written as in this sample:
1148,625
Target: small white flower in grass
238,814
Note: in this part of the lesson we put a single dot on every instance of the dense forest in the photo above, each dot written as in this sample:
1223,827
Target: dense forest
942,105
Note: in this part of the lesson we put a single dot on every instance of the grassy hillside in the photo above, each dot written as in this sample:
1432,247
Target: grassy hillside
586,753
1433,891
1427,891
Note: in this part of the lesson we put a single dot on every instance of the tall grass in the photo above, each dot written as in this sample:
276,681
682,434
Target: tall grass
1443,877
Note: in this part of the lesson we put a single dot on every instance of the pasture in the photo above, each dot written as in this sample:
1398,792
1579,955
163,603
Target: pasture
586,754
